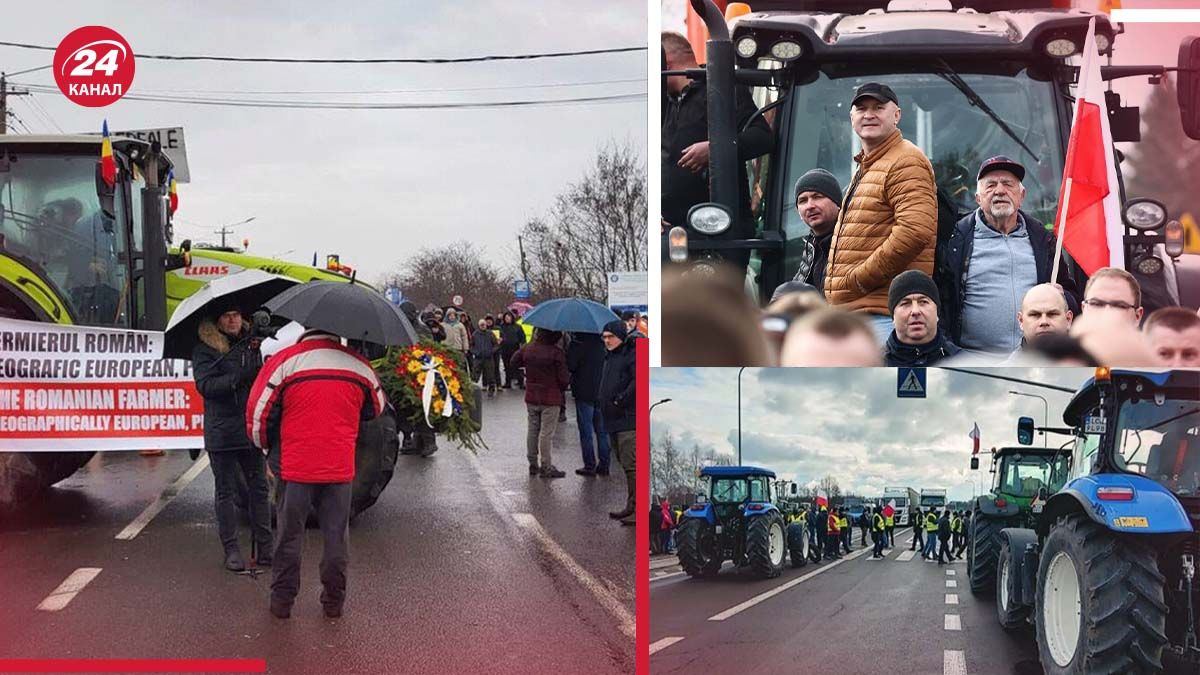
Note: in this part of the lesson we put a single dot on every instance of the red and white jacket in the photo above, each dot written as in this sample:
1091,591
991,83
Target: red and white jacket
313,395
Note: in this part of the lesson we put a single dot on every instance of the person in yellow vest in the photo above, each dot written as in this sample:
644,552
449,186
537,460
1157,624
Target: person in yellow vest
956,531
833,536
844,524
931,526
890,523
878,531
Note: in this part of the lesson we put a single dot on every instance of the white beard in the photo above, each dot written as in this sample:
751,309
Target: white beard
1001,211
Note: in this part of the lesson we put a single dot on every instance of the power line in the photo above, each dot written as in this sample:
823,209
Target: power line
264,59
344,105
548,85
38,104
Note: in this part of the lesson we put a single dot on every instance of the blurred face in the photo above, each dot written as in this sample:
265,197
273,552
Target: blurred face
806,348
1044,312
611,341
916,319
438,315
818,211
230,322
631,324
873,121
1000,194
483,324
1112,295
678,61
451,316
1175,348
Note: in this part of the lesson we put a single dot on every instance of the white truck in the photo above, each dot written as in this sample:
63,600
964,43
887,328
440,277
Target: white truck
906,498
933,499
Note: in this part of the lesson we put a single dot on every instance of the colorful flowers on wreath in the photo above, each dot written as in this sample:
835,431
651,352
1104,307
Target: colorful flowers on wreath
419,362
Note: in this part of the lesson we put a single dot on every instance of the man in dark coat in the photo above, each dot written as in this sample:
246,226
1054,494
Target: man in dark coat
546,377
225,363
585,361
512,337
617,399
943,535
685,144
916,339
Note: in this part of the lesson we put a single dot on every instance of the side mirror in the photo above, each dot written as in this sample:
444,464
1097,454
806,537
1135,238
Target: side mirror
105,193
1025,430
974,463
793,489
1189,86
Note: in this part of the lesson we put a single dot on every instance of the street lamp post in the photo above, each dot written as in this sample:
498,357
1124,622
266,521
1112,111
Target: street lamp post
227,229
740,371
1045,411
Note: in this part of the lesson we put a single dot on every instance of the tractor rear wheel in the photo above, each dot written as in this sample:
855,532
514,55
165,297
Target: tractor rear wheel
1009,611
797,542
697,548
1100,602
982,553
765,545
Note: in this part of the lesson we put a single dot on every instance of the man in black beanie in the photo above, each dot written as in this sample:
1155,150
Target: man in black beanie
818,201
913,300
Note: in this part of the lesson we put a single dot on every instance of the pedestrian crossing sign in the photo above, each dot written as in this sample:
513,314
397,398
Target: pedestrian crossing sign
910,382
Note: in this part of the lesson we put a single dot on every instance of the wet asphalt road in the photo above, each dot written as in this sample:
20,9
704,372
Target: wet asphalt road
446,574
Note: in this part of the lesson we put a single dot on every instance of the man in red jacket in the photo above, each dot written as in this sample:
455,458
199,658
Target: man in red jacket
308,401
546,377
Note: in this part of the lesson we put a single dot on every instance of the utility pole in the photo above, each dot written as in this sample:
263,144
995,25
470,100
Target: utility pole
524,262
228,229
4,93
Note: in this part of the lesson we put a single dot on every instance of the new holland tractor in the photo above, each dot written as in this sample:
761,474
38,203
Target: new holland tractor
75,251
1022,479
736,519
1107,571
975,78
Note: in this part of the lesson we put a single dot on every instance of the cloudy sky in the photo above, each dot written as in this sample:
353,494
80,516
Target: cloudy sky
373,186
805,423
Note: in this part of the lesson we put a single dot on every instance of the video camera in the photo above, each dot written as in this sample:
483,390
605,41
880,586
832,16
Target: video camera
260,325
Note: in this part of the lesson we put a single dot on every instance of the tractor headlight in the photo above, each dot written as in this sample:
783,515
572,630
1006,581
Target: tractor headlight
786,50
709,218
1149,265
677,244
1061,48
1145,215
747,47
1102,43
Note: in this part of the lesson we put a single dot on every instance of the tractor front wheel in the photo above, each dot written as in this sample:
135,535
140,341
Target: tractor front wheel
982,553
797,543
765,545
1100,602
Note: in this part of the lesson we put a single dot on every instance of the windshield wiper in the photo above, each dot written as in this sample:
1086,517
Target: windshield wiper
948,74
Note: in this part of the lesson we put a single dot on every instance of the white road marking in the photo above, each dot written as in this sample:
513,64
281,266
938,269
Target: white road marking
951,598
737,609
663,644
661,577
953,622
906,556
606,599
950,583
68,589
950,573
954,663
133,529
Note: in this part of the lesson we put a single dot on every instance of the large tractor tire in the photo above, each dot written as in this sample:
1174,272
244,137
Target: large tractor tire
797,543
766,545
25,475
1100,602
697,545
1012,615
982,552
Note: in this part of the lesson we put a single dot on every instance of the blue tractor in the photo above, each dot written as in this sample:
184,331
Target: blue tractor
1107,572
736,519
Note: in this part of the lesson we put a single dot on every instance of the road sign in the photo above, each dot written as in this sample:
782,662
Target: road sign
173,146
457,301
627,290
394,295
910,382
521,289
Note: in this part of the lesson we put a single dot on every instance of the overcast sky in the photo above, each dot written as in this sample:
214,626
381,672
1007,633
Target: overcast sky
372,186
805,423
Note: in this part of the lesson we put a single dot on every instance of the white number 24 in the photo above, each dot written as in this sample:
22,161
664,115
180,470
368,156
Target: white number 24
87,57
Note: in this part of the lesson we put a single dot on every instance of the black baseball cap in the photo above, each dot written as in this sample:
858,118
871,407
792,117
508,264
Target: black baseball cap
1001,163
877,91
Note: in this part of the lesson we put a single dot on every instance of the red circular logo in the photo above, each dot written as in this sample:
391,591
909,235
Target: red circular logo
93,66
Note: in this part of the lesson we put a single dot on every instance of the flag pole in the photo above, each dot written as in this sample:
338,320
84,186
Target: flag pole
1062,230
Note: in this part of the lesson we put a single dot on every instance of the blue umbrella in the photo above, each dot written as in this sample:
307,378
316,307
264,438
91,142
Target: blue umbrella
574,315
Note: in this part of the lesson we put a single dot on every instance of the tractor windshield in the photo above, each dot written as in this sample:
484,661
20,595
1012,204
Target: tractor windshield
50,218
738,490
935,115
1162,442
1024,475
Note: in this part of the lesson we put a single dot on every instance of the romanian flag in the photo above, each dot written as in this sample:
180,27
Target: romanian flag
108,166
172,192
890,509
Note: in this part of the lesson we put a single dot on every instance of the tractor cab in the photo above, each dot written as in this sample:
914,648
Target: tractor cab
74,249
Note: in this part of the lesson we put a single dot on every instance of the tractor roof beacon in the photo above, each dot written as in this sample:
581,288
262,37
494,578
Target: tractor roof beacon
738,520
1107,573
976,78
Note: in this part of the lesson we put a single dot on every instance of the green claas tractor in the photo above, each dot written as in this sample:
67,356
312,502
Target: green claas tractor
1023,478
736,520
77,251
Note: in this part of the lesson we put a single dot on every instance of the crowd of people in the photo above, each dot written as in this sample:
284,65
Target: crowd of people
890,276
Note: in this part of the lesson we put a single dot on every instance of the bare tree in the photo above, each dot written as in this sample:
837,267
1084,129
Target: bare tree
597,225
830,485
435,275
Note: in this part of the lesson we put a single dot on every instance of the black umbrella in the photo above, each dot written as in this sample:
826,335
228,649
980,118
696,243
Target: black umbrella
349,310
247,290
